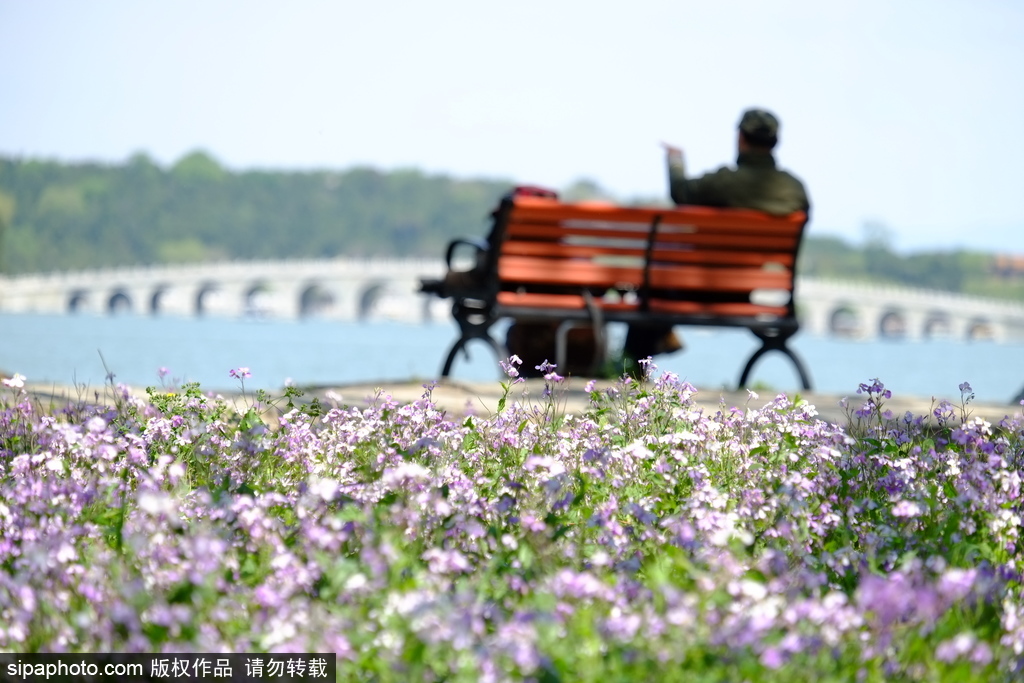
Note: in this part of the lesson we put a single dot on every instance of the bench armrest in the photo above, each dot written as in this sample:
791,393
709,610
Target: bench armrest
460,283
479,245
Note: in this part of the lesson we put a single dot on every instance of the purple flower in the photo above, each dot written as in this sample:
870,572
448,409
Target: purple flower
876,388
546,367
240,373
955,648
956,584
772,657
509,366
446,561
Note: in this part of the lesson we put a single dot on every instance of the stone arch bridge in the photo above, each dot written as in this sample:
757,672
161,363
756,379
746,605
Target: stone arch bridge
361,289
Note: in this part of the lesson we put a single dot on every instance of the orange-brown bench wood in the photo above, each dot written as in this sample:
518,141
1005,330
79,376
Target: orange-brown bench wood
689,265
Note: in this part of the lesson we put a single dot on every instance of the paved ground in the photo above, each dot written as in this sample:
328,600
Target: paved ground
482,397
460,398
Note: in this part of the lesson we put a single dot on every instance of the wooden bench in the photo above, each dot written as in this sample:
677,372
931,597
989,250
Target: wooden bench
592,263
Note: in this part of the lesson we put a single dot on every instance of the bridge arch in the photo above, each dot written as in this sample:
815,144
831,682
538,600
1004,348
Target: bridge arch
369,299
119,302
78,299
156,299
206,297
255,299
937,324
382,299
980,329
892,324
845,321
315,300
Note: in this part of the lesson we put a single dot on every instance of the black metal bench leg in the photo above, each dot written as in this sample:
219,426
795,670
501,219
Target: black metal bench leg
474,323
456,347
805,379
460,345
776,343
750,365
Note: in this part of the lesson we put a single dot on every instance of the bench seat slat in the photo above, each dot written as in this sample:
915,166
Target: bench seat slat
737,308
568,302
558,301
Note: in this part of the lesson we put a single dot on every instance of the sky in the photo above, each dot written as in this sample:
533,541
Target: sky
907,116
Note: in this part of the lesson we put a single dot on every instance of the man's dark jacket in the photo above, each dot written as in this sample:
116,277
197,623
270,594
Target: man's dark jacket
755,183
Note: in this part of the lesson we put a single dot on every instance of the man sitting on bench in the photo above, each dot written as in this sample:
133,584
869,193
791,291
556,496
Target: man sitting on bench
755,183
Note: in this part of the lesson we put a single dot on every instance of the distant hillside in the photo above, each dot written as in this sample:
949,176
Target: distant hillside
967,272
58,216
61,216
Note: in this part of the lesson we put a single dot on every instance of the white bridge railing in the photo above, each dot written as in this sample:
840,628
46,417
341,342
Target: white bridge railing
357,288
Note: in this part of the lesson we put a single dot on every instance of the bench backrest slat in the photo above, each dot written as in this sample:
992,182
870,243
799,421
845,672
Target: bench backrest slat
524,270
549,251
721,257
552,232
527,270
551,211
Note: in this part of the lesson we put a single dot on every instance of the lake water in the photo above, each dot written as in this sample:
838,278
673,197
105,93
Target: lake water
67,349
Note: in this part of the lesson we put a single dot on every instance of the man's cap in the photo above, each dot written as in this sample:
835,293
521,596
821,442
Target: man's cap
760,126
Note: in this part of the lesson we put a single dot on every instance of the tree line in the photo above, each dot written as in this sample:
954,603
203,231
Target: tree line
63,216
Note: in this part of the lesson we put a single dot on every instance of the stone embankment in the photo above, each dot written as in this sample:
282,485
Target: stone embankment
481,398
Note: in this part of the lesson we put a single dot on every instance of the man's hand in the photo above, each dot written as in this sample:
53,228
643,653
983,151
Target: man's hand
672,153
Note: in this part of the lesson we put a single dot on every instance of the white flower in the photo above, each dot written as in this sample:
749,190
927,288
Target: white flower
553,466
356,581
753,589
16,382
66,554
406,471
156,503
907,508
324,488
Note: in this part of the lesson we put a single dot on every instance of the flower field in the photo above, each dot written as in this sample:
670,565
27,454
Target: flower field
644,539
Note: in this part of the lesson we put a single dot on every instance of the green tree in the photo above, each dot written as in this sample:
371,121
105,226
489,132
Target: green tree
56,216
